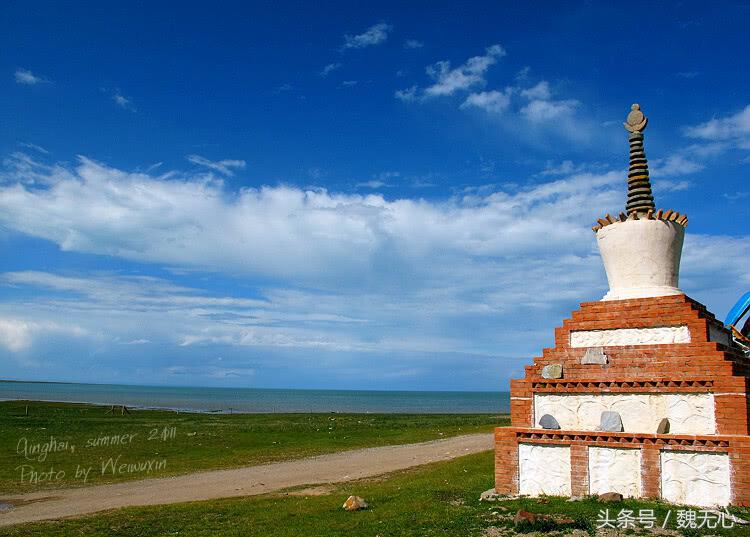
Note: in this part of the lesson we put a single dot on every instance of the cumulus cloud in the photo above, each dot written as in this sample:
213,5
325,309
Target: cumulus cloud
413,43
406,95
341,272
538,110
734,128
18,334
490,101
99,209
676,164
540,113
27,78
374,35
471,73
540,91
224,167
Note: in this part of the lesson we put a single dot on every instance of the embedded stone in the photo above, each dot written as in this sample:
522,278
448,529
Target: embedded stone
663,427
611,422
594,356
548,422
552,371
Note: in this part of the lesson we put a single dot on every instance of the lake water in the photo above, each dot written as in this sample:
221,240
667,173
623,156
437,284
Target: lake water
200,399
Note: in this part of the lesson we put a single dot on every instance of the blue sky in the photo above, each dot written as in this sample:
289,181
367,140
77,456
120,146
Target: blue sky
380,196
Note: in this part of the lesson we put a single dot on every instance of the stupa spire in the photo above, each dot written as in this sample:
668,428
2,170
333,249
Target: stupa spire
640,204
640,197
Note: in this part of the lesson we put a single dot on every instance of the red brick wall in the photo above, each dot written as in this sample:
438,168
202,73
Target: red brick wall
506,461
701,366
579,469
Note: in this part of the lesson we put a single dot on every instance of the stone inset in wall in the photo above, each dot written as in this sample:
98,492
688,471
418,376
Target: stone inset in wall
548,422
620,337
544,470
594,356
615,470
688,413
694,478
552,371
610,421
663,427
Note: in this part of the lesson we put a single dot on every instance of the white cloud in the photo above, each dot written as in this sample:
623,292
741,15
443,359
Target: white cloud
566,167
540,91
348,83
120,100
26,77
15,335
140,341
330,68
537,115
471,73
490,101
374,35
211,371
406,95
666,185
734,129
413,43
734,196
224,167
381,180
271,230
35,147
18,334
373,183
538,111
676,164
353,273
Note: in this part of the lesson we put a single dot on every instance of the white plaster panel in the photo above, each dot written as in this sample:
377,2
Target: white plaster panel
543,470
615,470
630,336
688,413
691,478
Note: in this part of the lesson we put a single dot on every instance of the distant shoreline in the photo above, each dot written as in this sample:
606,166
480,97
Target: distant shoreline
68,383
223,400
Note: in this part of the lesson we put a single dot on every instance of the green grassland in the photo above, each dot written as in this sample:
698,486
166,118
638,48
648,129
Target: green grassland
437,499
86,436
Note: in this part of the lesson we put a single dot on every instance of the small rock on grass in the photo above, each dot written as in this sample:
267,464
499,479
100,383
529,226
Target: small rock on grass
610,497
355,503
489,496
522,515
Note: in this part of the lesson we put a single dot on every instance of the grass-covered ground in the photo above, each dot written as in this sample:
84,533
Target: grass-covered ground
190,442
438,499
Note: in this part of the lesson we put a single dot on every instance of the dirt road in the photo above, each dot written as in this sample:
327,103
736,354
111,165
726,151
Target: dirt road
246,481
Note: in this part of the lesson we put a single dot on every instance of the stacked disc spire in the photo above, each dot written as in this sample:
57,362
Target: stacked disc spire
640,204
640,197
